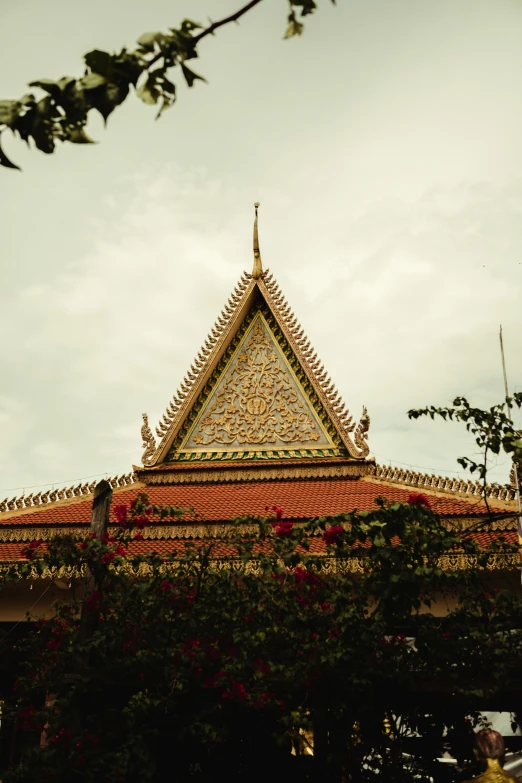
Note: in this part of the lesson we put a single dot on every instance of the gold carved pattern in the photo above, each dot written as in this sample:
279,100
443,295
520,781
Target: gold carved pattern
174,454
149,441
275,473
454,486
325,565
340,419
258,403
198,530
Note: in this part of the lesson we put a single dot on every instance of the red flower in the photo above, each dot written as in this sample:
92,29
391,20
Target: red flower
446,634
120,550
29,551
108,556
284,529
278,510
331,536
63,734
418,499
93,601
137,537
120,512
140,521
236,692
302,575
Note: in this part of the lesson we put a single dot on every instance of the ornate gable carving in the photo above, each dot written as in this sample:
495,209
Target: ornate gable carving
277,432
256,403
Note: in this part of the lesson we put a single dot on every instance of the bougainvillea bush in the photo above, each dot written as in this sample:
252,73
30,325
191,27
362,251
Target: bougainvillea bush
197,666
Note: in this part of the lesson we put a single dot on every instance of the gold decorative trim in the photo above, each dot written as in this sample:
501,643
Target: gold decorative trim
454,486
66,493
149,441
249,474
152,533
313,367
199,529
189,387
325,564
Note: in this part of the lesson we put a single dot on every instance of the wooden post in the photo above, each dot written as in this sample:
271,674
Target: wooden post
101,505
100,508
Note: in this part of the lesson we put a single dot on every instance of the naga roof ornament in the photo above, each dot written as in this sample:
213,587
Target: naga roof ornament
256,390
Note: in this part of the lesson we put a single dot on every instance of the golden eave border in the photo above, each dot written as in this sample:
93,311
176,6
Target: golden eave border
326,565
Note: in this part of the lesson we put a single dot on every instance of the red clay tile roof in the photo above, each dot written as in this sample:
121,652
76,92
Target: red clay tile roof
300,499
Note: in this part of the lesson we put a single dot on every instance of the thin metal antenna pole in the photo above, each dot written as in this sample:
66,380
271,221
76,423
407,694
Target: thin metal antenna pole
517,483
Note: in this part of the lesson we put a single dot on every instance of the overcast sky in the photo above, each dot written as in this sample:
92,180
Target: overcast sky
385,147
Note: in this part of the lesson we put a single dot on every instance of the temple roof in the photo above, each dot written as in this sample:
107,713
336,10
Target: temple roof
256,422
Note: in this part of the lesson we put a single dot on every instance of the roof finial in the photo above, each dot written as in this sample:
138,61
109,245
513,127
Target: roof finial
258,267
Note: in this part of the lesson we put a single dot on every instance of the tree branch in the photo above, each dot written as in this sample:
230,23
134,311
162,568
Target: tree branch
232,18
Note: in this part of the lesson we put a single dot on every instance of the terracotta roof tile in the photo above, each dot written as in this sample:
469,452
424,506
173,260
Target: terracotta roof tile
300,499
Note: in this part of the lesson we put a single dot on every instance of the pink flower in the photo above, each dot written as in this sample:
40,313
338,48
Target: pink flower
331,536
418,499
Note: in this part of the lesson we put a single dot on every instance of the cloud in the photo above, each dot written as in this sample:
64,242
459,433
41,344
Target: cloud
402,299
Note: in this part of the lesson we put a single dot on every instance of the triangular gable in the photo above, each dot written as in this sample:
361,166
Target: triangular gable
258,404
195,424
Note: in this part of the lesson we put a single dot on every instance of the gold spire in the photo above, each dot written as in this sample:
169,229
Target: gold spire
258,267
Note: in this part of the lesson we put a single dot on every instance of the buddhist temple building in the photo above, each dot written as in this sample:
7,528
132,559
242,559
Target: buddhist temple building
256,421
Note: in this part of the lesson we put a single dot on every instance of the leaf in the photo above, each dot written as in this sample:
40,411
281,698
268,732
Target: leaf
42,138
294,27
148,92
48,85
99,62
147,40
66,82
187,26
9,112
190,76
4,161
78,136
92,81
166,103
106,101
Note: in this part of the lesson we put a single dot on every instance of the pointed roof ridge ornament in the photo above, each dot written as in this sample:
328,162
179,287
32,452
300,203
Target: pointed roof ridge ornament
257,271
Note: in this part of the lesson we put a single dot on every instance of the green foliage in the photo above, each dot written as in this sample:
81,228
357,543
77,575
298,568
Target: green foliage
63,112
230,650
493,430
